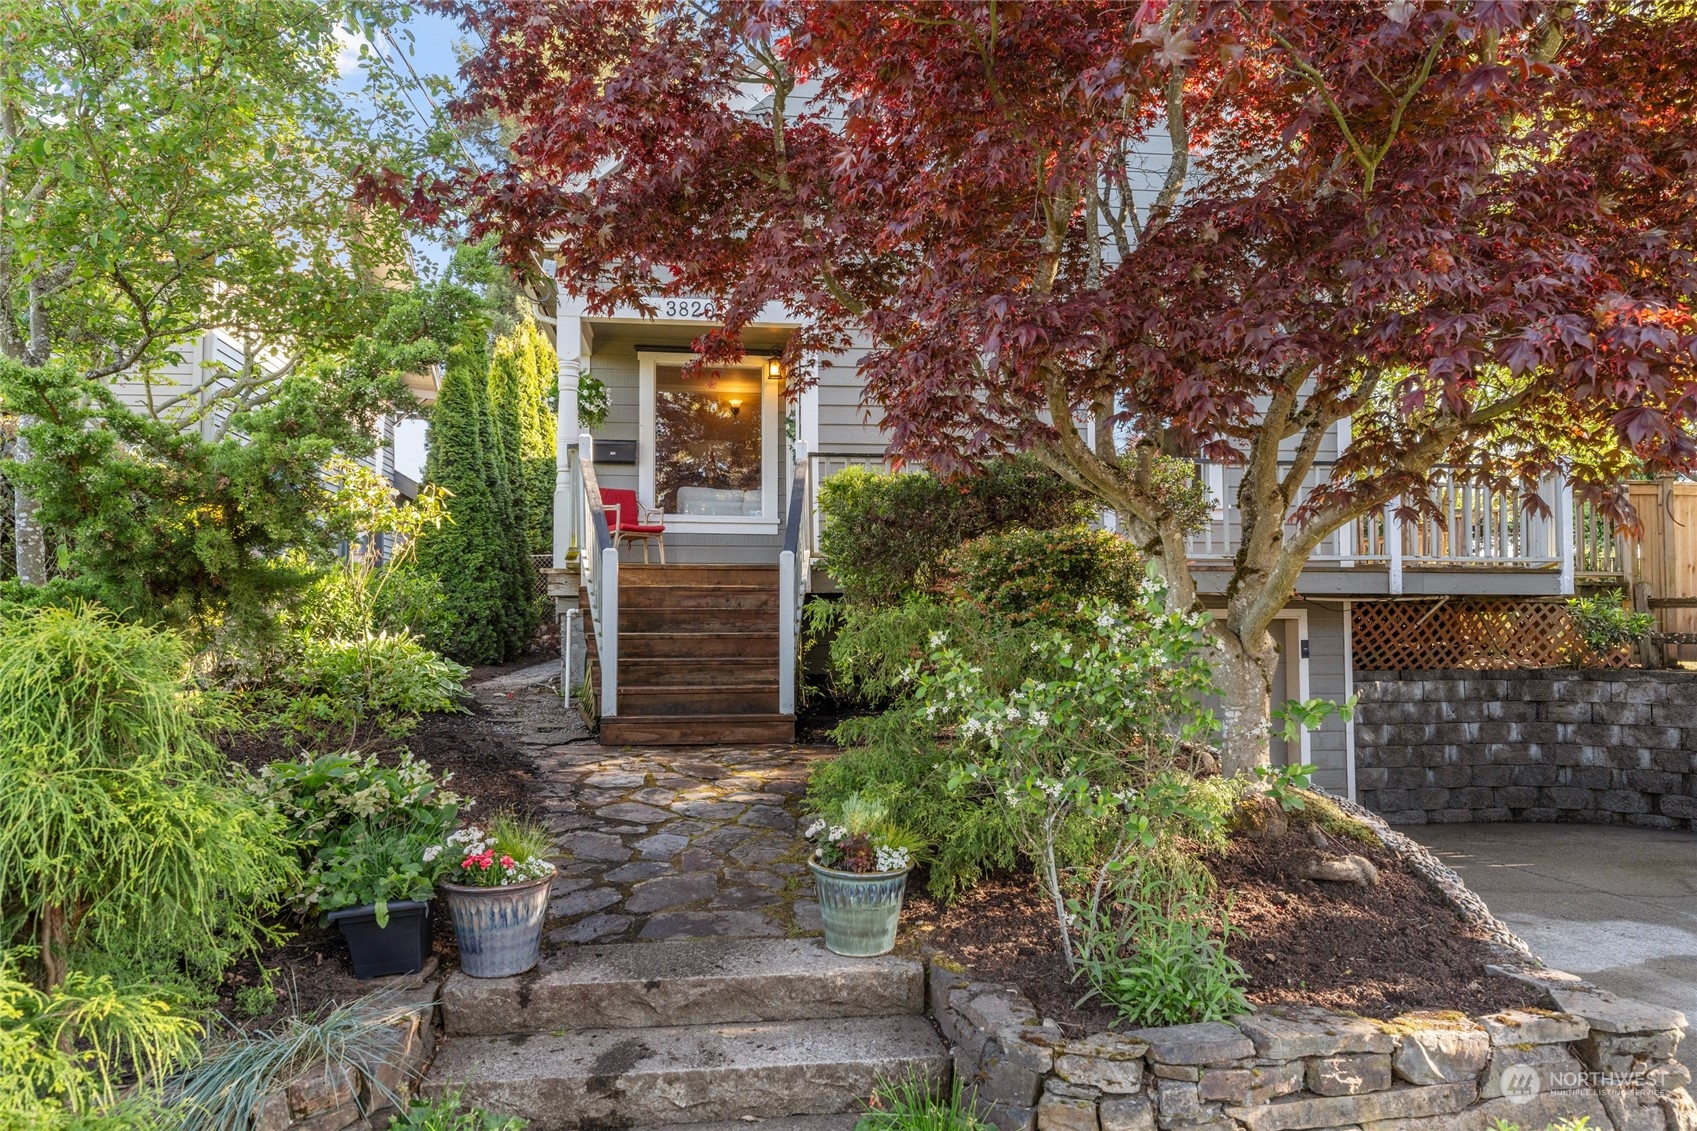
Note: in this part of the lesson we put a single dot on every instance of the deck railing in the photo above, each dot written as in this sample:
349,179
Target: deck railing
795,573
598,565
1461,525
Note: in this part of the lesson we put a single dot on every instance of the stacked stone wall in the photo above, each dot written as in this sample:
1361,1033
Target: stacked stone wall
1549,745
341,1098
1590,1054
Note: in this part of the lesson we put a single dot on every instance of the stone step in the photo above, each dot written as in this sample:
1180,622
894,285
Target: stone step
689,1074
640,985
842,1121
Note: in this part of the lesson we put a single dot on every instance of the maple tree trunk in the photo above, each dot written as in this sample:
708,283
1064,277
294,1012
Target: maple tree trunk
1243,671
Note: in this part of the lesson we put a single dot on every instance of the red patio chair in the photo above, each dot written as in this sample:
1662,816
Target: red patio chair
630,521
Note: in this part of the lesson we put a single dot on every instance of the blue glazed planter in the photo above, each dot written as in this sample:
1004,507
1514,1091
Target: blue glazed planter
499,929
860,909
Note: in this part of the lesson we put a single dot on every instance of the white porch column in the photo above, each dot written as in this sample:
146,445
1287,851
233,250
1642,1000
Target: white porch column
1393,545
568,339
1564,531
807,411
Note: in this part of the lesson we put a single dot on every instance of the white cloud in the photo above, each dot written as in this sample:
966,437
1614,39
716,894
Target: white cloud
347,51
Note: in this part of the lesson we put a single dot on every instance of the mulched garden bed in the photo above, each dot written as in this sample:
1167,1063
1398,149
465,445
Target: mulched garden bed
486,763
1375,951
311,969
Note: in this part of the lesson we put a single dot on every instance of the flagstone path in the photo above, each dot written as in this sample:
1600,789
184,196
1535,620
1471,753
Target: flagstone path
668,842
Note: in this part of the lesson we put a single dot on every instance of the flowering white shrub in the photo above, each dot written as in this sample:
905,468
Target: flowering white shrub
1127,697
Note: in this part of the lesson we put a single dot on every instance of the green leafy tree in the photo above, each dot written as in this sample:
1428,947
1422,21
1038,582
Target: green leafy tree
522,375
479,554
175,166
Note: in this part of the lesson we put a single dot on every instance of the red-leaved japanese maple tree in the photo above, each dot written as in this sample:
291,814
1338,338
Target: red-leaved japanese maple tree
1118,235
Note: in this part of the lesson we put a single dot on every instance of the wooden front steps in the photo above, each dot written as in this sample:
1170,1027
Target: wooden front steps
698,657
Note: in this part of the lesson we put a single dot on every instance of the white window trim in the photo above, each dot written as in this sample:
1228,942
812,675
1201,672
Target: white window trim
771,430
1214,482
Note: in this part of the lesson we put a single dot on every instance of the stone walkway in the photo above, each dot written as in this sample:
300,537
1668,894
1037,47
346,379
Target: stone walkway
662,843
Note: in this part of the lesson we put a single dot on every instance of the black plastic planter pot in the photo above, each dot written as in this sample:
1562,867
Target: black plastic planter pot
399,948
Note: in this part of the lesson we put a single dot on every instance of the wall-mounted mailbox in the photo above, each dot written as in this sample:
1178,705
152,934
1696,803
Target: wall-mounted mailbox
615,451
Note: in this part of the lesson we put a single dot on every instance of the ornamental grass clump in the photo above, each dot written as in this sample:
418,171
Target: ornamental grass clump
230,1089
121,827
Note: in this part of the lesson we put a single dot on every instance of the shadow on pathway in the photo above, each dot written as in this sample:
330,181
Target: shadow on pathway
661,842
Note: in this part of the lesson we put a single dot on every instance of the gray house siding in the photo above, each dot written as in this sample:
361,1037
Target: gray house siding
846,426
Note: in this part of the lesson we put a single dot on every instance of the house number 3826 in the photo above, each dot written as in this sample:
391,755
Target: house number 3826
687,308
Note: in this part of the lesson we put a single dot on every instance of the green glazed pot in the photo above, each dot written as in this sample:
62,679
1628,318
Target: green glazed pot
860,909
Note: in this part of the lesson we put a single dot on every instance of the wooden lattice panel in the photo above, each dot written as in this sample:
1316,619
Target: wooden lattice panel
1469,632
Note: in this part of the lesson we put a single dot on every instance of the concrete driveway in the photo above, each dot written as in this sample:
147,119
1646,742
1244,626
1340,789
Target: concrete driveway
1615,905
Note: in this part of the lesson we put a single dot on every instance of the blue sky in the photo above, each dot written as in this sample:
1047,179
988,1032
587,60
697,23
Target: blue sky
430,49
427,42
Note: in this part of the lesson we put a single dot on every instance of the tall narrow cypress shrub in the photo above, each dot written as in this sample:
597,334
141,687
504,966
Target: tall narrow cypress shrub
522,375
477,556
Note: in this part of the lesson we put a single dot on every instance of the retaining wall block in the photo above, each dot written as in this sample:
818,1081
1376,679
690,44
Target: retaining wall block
1066,1113
1350,1075
1569,797
1563,712
1126,1113
1558,1068
1440,1049
1683,808
1487,776
1534,775
1005,1117
1675,714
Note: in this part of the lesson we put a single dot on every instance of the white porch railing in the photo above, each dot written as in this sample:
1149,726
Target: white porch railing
598,566
1465,525
795,574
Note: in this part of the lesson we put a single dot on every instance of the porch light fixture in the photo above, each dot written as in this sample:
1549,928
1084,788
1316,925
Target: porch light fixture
774,369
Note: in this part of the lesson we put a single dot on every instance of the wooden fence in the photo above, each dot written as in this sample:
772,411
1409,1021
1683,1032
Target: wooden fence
1662,560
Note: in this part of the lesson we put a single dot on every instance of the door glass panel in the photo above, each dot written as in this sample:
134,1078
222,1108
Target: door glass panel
707,441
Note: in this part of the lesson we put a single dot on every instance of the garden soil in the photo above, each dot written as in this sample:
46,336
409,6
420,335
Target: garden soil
488,764
1375,951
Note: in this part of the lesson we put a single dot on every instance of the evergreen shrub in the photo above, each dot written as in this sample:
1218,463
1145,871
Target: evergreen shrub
885,536
120,825
480,555
1045,575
